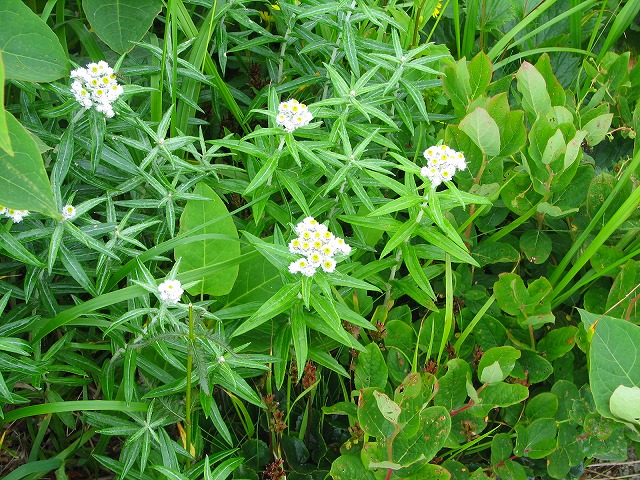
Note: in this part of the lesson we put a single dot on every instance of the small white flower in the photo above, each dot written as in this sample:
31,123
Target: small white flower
315,259
221,359
292,115
309,271
16,215
442,164
341,246
293,267
170,291
3,210
68,212
329,265
96,86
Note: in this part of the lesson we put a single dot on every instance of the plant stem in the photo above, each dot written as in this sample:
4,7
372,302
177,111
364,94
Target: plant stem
191,340
448,309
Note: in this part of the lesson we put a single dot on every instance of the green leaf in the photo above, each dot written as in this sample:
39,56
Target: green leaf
543,405
118,23
496,364
452,392
31,51
614,357
208,252
495,252
568,454
536,440
501,448
24,184
597,128
480,72
390,410
531,84
299,335
281,301
483,131
558,342
435,425
371,369
625,403
371,419
536,245
503,394
349,467
257,281
5,141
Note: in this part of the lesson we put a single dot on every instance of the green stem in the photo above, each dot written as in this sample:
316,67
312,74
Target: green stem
578,244
192,337
174,62
448,309
518,221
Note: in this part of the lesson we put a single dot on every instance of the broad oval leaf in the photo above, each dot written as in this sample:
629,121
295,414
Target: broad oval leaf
24,184
483,131
614,358
30,50
204,253
120,22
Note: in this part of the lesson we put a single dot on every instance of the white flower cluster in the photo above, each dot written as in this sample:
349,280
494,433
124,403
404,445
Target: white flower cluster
170,291
15,215
442,163
68,212
293,114
96,86
319,247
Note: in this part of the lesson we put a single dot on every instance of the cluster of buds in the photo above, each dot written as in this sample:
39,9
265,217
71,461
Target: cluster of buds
442,164
96,86
170,291
293,114
13,214
319,247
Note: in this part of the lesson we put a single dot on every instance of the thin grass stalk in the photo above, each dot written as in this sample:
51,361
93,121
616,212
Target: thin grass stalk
622,21
199,51
174,63
577,245
501,45
157,83
187,417
518,221
210,68
456,27
539,51
575,26
469,328
627,208
470,27
61,30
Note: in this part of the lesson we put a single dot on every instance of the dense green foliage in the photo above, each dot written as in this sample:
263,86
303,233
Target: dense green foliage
158,321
